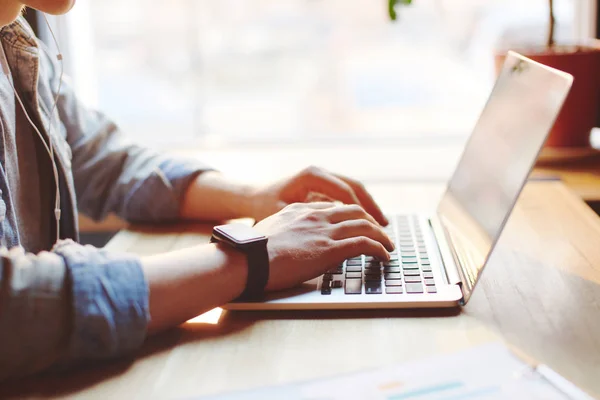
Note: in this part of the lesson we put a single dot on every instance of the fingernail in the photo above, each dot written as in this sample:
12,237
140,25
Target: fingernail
391,244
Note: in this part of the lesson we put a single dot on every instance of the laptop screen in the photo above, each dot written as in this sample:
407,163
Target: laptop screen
498,159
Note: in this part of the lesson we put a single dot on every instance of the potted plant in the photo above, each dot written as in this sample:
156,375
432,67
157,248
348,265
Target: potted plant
582,60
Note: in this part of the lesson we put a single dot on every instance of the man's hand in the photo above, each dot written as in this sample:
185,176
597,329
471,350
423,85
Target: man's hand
312,184
305,240
213,197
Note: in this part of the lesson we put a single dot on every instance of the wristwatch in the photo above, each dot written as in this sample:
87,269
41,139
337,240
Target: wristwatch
254,245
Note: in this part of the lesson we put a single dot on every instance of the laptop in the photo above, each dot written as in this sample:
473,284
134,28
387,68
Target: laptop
439,258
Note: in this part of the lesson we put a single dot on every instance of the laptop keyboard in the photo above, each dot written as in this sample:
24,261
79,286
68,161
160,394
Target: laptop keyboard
408,271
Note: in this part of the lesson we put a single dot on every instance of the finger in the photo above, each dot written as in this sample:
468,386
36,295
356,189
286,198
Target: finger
314,197
362,227
321,205
356,246
317,180
366,199
349,212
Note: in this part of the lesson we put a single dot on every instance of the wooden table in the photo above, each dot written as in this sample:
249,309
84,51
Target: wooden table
540,294
581,175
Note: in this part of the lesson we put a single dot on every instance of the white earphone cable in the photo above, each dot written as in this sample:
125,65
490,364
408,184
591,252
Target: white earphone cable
59,57
48,146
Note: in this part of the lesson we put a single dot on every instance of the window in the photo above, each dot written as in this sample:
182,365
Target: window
175,72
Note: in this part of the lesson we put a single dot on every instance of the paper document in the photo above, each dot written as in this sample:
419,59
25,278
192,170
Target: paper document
485,372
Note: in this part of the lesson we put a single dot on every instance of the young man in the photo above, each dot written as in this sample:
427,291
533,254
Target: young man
61,302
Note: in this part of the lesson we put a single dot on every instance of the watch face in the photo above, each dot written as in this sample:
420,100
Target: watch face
240,233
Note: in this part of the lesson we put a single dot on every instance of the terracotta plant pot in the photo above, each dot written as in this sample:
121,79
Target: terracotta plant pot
582,107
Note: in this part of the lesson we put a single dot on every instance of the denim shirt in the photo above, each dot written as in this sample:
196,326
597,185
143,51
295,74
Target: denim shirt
78,303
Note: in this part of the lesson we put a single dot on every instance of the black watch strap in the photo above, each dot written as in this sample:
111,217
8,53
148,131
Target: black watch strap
254,245
258,273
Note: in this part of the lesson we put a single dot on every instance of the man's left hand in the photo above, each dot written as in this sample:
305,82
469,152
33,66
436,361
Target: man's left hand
311,184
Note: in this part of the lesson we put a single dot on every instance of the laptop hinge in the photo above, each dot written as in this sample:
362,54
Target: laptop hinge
449,258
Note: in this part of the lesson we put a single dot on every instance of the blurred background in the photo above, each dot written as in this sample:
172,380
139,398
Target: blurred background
263,88
233,73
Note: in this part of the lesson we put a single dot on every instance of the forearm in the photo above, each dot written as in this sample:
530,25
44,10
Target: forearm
189,282
212,196
34,312
76,303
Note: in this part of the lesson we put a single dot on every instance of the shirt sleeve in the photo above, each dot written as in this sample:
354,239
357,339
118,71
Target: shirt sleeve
74,304
111,174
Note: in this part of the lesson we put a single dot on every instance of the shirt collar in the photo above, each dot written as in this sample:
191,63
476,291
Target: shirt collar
19,34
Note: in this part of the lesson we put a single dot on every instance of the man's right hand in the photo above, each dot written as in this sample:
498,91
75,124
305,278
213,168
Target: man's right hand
307,239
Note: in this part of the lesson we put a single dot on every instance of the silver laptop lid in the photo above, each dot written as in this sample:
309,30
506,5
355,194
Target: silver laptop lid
497,160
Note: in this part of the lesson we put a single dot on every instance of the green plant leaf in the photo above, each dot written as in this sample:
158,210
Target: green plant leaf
392,7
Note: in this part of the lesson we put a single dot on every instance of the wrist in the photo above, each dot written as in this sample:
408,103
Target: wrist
253,245
212,196
236,264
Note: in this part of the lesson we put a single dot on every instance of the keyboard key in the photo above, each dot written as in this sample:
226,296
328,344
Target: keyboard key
354,268
335,271
372,272
373,278
431,289
410,254
394,290
393,276
391,264
429,282
391,269
393,283
353,286
373,288
428,275
353,275
408,261
414,288
325,291
410,267
412,279
424,255
393,257
426,268
412,272
337,284
368,259
353,262
373,264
